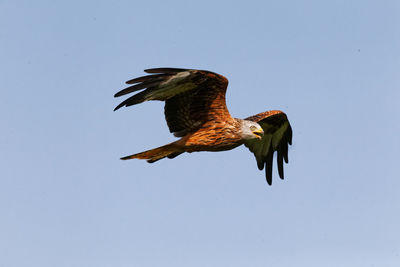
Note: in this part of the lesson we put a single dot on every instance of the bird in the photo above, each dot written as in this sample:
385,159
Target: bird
195,110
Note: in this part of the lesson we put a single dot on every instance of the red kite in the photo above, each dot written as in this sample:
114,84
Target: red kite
195,110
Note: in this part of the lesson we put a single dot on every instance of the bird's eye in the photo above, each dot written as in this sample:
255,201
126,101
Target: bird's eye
253,128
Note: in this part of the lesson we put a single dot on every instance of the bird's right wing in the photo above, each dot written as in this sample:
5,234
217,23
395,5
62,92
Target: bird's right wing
277,137
192,97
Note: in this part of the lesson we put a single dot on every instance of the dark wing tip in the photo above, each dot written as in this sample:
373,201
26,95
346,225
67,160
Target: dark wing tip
118,107
268,178
279,162
120,93
268,168
131,89
260,165
149,78
164,70
290,135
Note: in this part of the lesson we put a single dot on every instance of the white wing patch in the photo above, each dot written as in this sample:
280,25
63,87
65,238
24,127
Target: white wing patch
172,87
176,78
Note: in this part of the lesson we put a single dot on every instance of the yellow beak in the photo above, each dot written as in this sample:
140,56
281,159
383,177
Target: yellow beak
259,133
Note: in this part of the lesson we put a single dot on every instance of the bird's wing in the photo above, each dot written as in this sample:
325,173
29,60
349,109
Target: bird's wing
192,97
277,137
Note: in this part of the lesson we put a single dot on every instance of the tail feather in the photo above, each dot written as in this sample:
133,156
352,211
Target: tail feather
152,155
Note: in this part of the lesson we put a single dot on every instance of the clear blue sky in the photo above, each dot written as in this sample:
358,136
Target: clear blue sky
67,200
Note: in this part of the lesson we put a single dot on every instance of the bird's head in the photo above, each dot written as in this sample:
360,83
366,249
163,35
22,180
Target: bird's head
251,130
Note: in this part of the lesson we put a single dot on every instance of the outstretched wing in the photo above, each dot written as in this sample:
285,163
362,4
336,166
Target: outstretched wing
277,137
192,97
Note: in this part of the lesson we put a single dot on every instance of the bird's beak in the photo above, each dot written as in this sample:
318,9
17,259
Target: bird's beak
259,133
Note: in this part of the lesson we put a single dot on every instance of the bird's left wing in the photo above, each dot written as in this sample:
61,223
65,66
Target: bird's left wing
277,137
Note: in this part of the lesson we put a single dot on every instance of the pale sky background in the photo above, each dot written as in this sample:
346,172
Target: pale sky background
67,200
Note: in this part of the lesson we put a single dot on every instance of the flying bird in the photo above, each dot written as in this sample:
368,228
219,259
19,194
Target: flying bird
195,111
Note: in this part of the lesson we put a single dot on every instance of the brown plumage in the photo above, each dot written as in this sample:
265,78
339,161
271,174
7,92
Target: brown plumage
195,110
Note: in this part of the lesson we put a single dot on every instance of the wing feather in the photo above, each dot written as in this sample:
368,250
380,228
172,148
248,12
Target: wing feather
164,70
147,78
137,87
279,162
268,167
192,97
277,137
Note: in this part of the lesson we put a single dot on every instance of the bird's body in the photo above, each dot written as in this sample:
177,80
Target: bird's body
196,111
211,139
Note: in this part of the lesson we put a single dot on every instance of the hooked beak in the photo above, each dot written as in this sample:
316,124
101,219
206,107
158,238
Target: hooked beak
259,133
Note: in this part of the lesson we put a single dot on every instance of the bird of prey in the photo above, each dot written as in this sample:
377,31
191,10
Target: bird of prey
195,110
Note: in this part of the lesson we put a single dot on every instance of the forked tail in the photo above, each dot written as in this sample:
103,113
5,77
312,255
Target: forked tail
170,151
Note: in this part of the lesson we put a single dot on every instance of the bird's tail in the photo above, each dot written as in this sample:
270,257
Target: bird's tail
170,151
